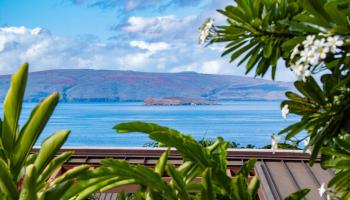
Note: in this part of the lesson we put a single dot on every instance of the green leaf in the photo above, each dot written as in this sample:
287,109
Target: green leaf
29,184
253,186
13,106
208,192
178,182
315,7
57,191
288,45
247,167
52,167
72,173
32,129
118,183
49,149
7,185
268,48
141,174
92,188
331,7
186,145
161,163
243,49
298,195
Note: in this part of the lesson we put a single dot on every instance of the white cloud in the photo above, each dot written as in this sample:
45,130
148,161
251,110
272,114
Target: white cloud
152,47
212,67
207,67
46,51
158,26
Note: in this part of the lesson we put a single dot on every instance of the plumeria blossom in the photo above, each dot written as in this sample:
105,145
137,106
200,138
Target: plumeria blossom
321,48
274,143
309,40
285,111
312,52
204,31
295,51
334,42
322,189
301,71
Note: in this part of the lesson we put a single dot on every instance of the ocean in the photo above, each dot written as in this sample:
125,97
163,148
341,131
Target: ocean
244,122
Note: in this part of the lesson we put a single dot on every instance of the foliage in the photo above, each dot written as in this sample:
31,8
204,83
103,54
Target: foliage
309,36
338,158
206,164
298,195
24,175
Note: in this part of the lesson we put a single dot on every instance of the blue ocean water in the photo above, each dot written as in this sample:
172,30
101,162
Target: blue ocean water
245,122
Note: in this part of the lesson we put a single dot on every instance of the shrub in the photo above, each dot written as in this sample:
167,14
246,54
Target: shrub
25,175
310,37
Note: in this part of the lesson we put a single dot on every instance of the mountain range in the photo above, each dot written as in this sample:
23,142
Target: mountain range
86,85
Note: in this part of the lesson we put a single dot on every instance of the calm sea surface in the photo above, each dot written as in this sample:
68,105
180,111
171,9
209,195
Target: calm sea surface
245,122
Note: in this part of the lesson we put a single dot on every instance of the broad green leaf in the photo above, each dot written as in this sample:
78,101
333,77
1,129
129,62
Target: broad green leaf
208,192
32,129
53,165
331,7
141,174
247,167
49,149
57,191
91,189
298,195
72,173
13,106
28,191
161,163
7,185
178,182
253,186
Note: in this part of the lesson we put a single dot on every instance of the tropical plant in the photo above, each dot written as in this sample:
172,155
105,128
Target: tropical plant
25,175
205,164
201,176
309,36
338,158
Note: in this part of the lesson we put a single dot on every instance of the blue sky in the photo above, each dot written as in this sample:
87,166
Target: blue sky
140,35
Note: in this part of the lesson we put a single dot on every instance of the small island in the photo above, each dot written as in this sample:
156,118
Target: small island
176,101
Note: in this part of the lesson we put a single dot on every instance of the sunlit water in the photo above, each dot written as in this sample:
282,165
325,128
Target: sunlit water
245,122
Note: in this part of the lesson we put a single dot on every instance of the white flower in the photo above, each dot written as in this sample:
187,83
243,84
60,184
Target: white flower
322,189
205,30
295,51
322,52
285,111
301,71
203,35
308,55
334,42
309,41
274,143
314,59
304,74
320,43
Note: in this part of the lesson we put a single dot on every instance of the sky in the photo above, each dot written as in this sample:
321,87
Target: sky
138,35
